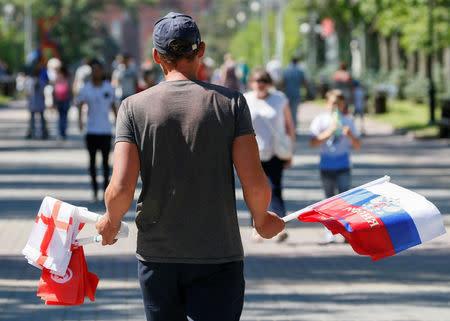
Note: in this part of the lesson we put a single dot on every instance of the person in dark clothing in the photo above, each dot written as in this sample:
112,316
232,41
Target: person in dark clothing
98,96
183,136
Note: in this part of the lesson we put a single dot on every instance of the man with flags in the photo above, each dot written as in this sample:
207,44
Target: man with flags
184,136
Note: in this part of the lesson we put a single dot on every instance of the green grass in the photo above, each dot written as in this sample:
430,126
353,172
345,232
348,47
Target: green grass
409,116
4,99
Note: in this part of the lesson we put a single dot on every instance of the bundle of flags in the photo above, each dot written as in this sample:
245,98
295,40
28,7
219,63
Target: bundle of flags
378,219
53,248
73,287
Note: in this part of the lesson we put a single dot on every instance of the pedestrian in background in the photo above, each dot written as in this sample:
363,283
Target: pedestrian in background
275,69
360,103
147,80
125,76
82,76
36,102
293,80
270,112
228,77
184,136
98,96
335,134
62,99
342,80
242,72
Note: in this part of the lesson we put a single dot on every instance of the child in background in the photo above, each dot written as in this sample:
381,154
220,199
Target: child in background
36,102
336,134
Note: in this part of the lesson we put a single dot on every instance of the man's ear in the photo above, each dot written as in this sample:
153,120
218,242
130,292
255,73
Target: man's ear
201,49
156,56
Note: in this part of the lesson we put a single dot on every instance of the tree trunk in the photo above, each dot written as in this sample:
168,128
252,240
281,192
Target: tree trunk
446,58
394,52
411,67
422,64
384,55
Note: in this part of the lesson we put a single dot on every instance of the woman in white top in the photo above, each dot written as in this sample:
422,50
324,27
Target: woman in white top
269,107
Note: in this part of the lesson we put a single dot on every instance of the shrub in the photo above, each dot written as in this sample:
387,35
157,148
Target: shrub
416,89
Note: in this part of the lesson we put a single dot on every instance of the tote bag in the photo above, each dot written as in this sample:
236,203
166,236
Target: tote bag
282,142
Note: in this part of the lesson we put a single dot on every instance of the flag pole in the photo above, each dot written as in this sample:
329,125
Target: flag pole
308,208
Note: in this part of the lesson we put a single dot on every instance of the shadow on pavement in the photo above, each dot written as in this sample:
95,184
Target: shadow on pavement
413,270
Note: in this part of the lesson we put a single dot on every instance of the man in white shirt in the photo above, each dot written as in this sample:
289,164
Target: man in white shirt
98,96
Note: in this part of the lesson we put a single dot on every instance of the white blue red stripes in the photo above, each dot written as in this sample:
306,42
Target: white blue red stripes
399,224
378,219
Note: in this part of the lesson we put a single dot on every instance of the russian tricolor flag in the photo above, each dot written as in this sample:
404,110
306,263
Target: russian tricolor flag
378,219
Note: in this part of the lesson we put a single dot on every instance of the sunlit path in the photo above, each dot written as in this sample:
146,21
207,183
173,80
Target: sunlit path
296,280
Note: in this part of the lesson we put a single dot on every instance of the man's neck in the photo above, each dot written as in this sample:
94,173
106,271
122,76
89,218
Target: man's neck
174,74
184,70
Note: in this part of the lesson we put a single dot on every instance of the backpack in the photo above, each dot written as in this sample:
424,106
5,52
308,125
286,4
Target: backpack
61,90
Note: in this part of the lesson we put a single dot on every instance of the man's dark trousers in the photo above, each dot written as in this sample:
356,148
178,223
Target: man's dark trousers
202,292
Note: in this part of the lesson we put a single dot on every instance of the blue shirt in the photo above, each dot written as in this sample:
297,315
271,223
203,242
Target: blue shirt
293,78
335,152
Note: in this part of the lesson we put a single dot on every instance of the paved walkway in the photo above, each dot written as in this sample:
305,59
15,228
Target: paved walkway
296,280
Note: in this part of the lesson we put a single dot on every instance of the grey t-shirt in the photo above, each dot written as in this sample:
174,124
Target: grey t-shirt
184,131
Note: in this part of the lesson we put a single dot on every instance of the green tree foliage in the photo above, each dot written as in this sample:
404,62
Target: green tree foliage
409,19
247,41
246,44
216,29
244,39
11,46
293,38
75,30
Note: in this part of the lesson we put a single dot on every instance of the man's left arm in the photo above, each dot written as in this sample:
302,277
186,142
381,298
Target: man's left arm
120,192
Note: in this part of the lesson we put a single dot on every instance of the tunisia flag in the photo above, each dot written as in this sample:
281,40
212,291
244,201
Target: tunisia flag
70,289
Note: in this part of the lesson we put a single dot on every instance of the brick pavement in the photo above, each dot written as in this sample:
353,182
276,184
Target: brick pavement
296,280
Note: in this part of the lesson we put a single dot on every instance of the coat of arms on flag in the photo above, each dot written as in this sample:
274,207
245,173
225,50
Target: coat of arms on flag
378,219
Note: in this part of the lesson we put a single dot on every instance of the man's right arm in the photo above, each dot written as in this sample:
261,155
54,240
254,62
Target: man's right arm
255,186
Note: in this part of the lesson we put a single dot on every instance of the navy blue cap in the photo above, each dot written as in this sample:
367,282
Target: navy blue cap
175,26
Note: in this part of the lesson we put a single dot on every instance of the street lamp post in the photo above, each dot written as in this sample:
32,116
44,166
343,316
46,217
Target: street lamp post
279,45
28,26
266,6
265,31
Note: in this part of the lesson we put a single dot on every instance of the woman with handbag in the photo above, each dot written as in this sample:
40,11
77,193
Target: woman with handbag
275,134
